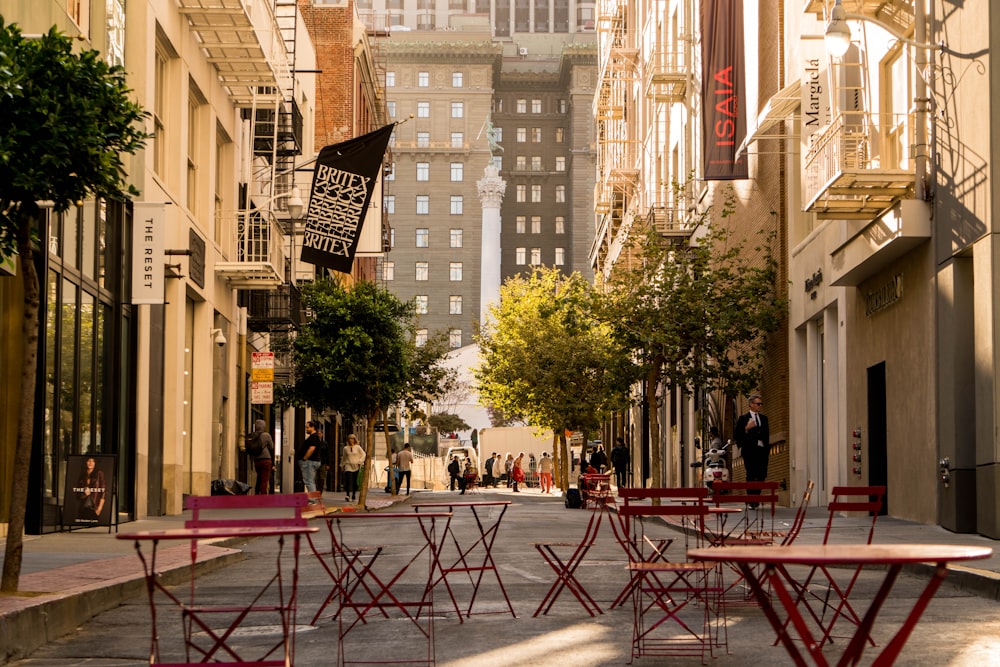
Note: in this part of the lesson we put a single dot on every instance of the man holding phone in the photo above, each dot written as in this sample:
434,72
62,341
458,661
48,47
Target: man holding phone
754,440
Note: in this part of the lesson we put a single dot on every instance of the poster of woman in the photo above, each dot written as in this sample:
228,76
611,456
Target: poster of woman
87,501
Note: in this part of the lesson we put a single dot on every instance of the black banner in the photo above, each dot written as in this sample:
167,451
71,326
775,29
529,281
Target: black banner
722,89
342,188
88,497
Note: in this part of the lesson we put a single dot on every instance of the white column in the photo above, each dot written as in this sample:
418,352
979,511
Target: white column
491,189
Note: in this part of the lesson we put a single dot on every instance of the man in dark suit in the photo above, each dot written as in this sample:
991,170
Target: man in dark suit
754,439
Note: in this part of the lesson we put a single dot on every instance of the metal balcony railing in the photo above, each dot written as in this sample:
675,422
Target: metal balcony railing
256,252
273,310
665,75
858,167
670,220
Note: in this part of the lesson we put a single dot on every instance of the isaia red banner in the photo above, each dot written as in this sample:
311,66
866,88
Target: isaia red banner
342,188
723,82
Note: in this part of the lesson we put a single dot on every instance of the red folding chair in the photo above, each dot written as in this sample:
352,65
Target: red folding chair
678,607
555,554
595,490
638,546
789,536
756,525
844,499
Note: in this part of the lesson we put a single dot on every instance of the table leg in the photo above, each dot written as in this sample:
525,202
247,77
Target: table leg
773,575
487,539
892,649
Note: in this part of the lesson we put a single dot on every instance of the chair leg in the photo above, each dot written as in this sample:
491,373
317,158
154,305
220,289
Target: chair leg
685,617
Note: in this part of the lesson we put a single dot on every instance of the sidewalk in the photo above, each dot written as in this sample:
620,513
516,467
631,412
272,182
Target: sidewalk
68,578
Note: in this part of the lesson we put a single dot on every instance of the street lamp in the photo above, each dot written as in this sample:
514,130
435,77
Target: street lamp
295,206
838,30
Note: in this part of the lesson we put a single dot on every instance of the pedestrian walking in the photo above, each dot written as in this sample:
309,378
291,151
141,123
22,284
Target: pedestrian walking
352,460
620,461
404,461
324,460
392,472
308,455
545,468
455,473
488,467
508,468
598,459
260,447
754,440
517,471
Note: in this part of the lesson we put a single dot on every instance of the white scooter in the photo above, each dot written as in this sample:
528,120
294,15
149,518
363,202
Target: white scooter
714,465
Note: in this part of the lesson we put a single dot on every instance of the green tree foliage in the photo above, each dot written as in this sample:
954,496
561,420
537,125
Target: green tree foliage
356,354
696,315
445,422
548,359
67,120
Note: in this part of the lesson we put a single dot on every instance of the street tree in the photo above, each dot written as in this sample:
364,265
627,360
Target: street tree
67,120
356,355
446,422
695,314
548,359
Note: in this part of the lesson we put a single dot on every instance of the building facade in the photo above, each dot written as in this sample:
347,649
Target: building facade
445,82
161,378
891,254
651,168
520,99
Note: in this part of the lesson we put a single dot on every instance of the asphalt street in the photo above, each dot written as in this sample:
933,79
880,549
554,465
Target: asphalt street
959,627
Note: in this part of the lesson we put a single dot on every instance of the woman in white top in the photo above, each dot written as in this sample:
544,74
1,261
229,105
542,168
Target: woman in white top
353,459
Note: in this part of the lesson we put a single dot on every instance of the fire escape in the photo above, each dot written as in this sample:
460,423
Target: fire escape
377,25
251,45
617,158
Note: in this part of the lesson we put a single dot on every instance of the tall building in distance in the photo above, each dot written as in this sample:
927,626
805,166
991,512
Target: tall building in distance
544,116
430,197
466,71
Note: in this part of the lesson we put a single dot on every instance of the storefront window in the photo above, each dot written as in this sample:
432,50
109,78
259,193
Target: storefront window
86,370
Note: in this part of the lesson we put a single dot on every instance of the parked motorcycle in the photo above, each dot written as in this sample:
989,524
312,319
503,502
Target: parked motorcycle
714,467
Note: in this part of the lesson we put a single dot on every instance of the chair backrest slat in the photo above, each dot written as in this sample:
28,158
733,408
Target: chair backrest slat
685,503
866,499
236,511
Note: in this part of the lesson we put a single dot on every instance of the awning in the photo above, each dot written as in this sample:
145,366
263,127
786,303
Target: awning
782,106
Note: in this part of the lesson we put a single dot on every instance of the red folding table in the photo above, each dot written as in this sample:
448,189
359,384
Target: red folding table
383,585
488,514
892,557
203,643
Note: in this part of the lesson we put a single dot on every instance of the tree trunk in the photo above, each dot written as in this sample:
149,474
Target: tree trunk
656,462
558,461
393,488
369,461
22,454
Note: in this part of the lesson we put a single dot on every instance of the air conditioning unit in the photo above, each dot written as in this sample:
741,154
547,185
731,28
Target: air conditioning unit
522,51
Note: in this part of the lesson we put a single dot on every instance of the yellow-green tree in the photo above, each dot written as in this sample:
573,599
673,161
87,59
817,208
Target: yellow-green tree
67,119
548,359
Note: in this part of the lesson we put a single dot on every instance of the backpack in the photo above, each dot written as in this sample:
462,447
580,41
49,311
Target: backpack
573,499
254,445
